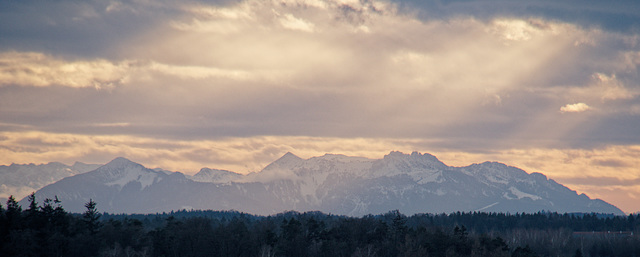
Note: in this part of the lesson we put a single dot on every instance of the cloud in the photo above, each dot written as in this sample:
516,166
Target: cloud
200,72
602,181
112,125
246,154
348,69
517,29
577,107
38,69
611,163
610,88
291,22
621,16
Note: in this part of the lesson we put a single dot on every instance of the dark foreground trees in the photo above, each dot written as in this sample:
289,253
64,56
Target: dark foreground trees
48,230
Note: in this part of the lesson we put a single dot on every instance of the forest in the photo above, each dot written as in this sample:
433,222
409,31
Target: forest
46,229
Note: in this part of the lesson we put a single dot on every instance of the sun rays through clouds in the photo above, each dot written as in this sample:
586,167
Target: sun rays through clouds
234,84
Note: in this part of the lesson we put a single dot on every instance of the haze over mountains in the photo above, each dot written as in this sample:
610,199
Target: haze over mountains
338,184
20,180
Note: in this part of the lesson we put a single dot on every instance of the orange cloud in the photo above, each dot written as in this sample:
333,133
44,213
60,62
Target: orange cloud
577,107
39,70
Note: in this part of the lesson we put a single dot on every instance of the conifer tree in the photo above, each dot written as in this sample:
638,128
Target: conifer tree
91,216
13,212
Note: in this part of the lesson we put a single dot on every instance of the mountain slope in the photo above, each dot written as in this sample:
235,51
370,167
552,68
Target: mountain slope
411,183
21,180
122,186
215,176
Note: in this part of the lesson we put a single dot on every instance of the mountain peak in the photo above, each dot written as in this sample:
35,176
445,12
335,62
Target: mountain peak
290,156
411,183
215,176
117,168
415,158
287,161
120,162
395,154
121,171
209,171
426,156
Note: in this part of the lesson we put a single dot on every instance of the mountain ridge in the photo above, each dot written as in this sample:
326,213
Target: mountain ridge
354,186
20,180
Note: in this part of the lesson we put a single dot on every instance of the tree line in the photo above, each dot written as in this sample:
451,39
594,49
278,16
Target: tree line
48,230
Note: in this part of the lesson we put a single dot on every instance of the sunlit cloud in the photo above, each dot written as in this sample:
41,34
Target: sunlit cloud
112,125
37,69
519,30
40,70
577,107
199,72
233,85
336,68
291,22
611,88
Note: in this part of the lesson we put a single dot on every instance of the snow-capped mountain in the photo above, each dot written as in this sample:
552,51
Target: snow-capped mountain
123,186
338,184
21,180
215,176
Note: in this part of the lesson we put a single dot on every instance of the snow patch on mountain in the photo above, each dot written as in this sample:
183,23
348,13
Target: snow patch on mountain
422,168
339,184
496,173
145,178
121,172
21,180
287,161
519,194
281,169
273,174
488,206
216,176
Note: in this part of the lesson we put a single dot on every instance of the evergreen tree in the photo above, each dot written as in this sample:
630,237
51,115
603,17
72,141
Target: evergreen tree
578,253
13,213
33,205
91,217
524,252
33,216
398,232
462,244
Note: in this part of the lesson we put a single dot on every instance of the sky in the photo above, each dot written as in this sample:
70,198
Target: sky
546,86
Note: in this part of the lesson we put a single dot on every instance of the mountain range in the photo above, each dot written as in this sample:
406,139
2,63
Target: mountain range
21,180
337,184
